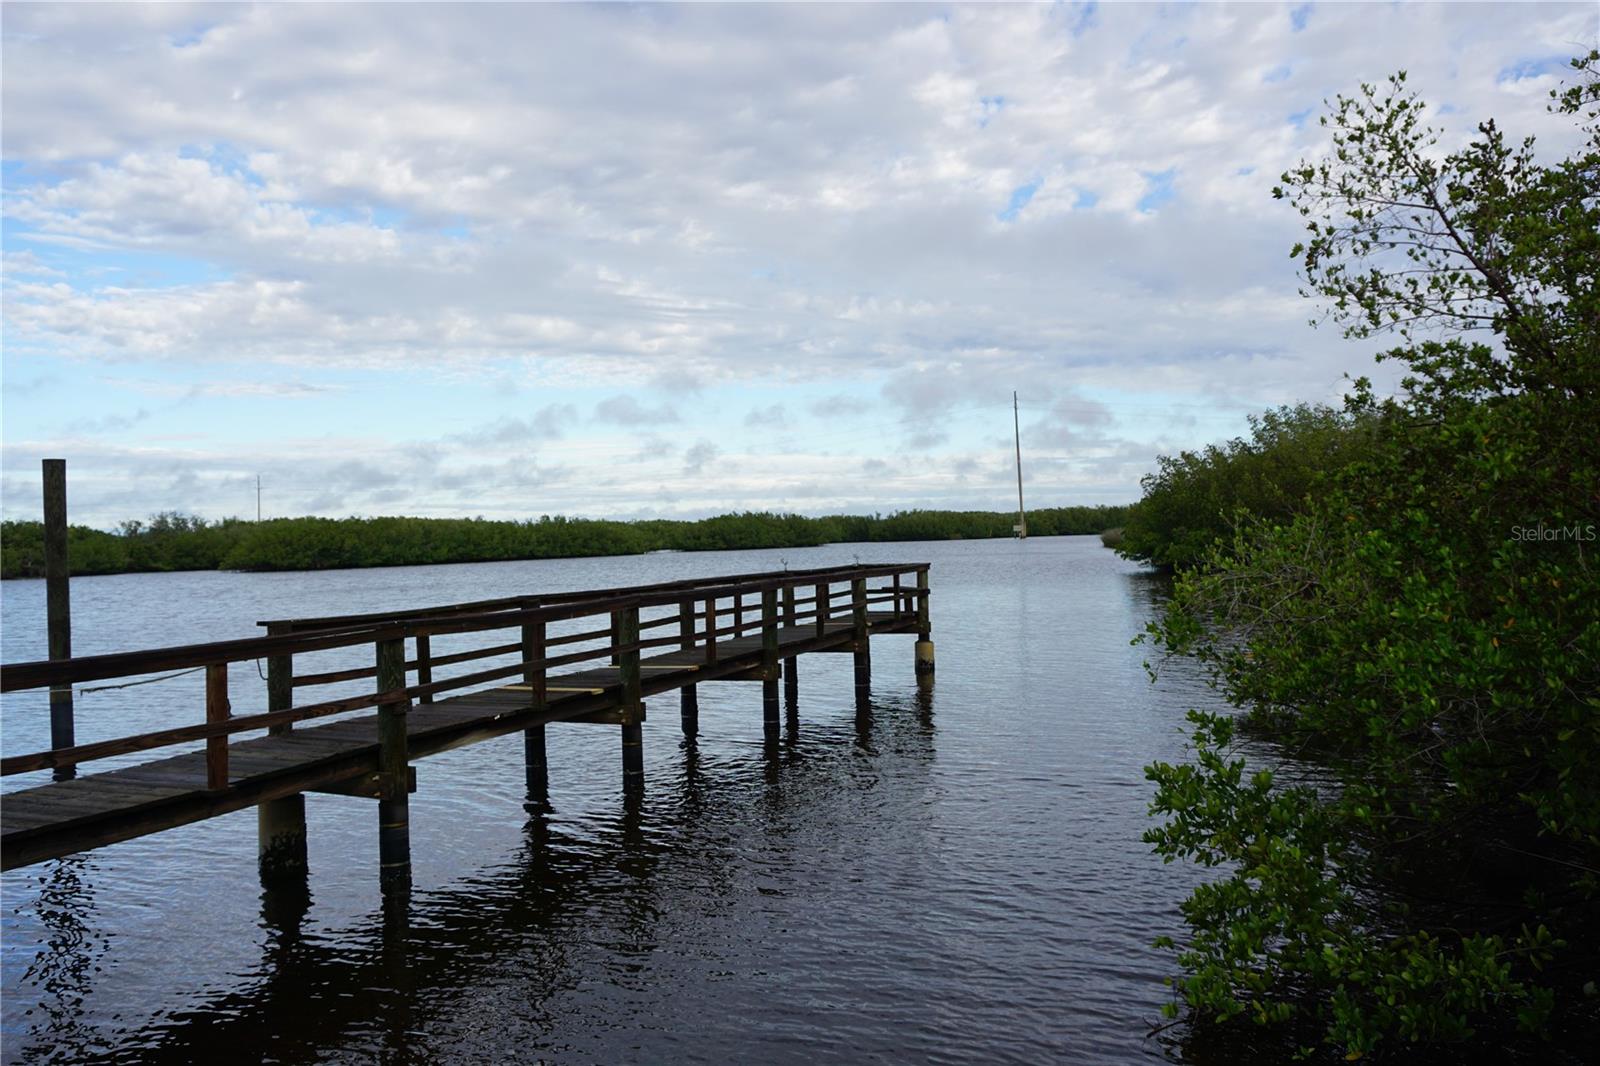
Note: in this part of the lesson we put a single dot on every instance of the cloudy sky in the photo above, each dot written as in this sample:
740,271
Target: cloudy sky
512,260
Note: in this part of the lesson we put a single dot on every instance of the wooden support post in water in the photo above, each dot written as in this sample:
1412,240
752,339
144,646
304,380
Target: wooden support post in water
632,705
924,650
535,763
281,823
424,666
689,709
769,658
217,710
863,643
791,676
58,606
394,809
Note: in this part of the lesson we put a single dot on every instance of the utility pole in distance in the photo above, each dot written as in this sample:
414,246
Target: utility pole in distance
258,498
1021,529
58,609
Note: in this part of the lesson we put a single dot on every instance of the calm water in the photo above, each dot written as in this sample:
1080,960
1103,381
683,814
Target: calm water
949,879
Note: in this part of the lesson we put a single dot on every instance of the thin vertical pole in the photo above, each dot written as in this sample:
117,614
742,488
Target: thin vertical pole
1016,425
824,606
632,704
258,499
394,808
217,710
689,708
58,607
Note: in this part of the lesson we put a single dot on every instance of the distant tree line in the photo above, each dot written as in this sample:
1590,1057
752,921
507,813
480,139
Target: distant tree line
1195,500
174,541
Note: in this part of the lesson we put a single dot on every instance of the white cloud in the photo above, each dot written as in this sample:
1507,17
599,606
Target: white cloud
636,199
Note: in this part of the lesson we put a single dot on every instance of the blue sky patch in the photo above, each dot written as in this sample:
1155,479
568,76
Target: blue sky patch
1281,72
992,106
1019,199
1084,17
1299,16
1158,189
1533,68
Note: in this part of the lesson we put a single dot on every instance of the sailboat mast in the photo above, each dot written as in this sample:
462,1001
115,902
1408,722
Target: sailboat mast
1016,425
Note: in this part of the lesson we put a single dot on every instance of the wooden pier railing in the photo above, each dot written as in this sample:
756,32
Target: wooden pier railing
589,657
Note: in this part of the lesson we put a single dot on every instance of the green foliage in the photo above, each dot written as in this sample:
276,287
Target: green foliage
1193,499
1427,624
171,541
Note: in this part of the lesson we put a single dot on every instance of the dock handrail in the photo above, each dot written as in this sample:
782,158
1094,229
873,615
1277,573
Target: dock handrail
388,630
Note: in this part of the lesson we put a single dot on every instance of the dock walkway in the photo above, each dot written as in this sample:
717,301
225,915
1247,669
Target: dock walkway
370,754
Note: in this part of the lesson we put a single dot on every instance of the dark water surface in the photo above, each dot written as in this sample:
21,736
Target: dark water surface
954,878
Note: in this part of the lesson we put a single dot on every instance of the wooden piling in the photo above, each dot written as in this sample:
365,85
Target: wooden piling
535,763
791,675
281,823
689,707
424,666
394,811
824,606
769,657
217,710
924,649
632,700
863,643
58,607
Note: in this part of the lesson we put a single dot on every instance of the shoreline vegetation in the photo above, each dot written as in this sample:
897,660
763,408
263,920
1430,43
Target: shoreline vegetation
173,541
1398,598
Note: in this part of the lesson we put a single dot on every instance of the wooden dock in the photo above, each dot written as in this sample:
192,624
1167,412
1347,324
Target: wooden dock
750,627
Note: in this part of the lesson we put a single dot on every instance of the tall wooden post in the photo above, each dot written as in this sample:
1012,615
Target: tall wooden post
863,643
424,666
281,823
632,704
58,607
217,710
689,709
924,650
791,676
394,809
824,607
769,658
535,763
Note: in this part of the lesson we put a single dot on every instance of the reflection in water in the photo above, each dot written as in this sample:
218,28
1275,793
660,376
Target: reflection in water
64,968
526,929
879,881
